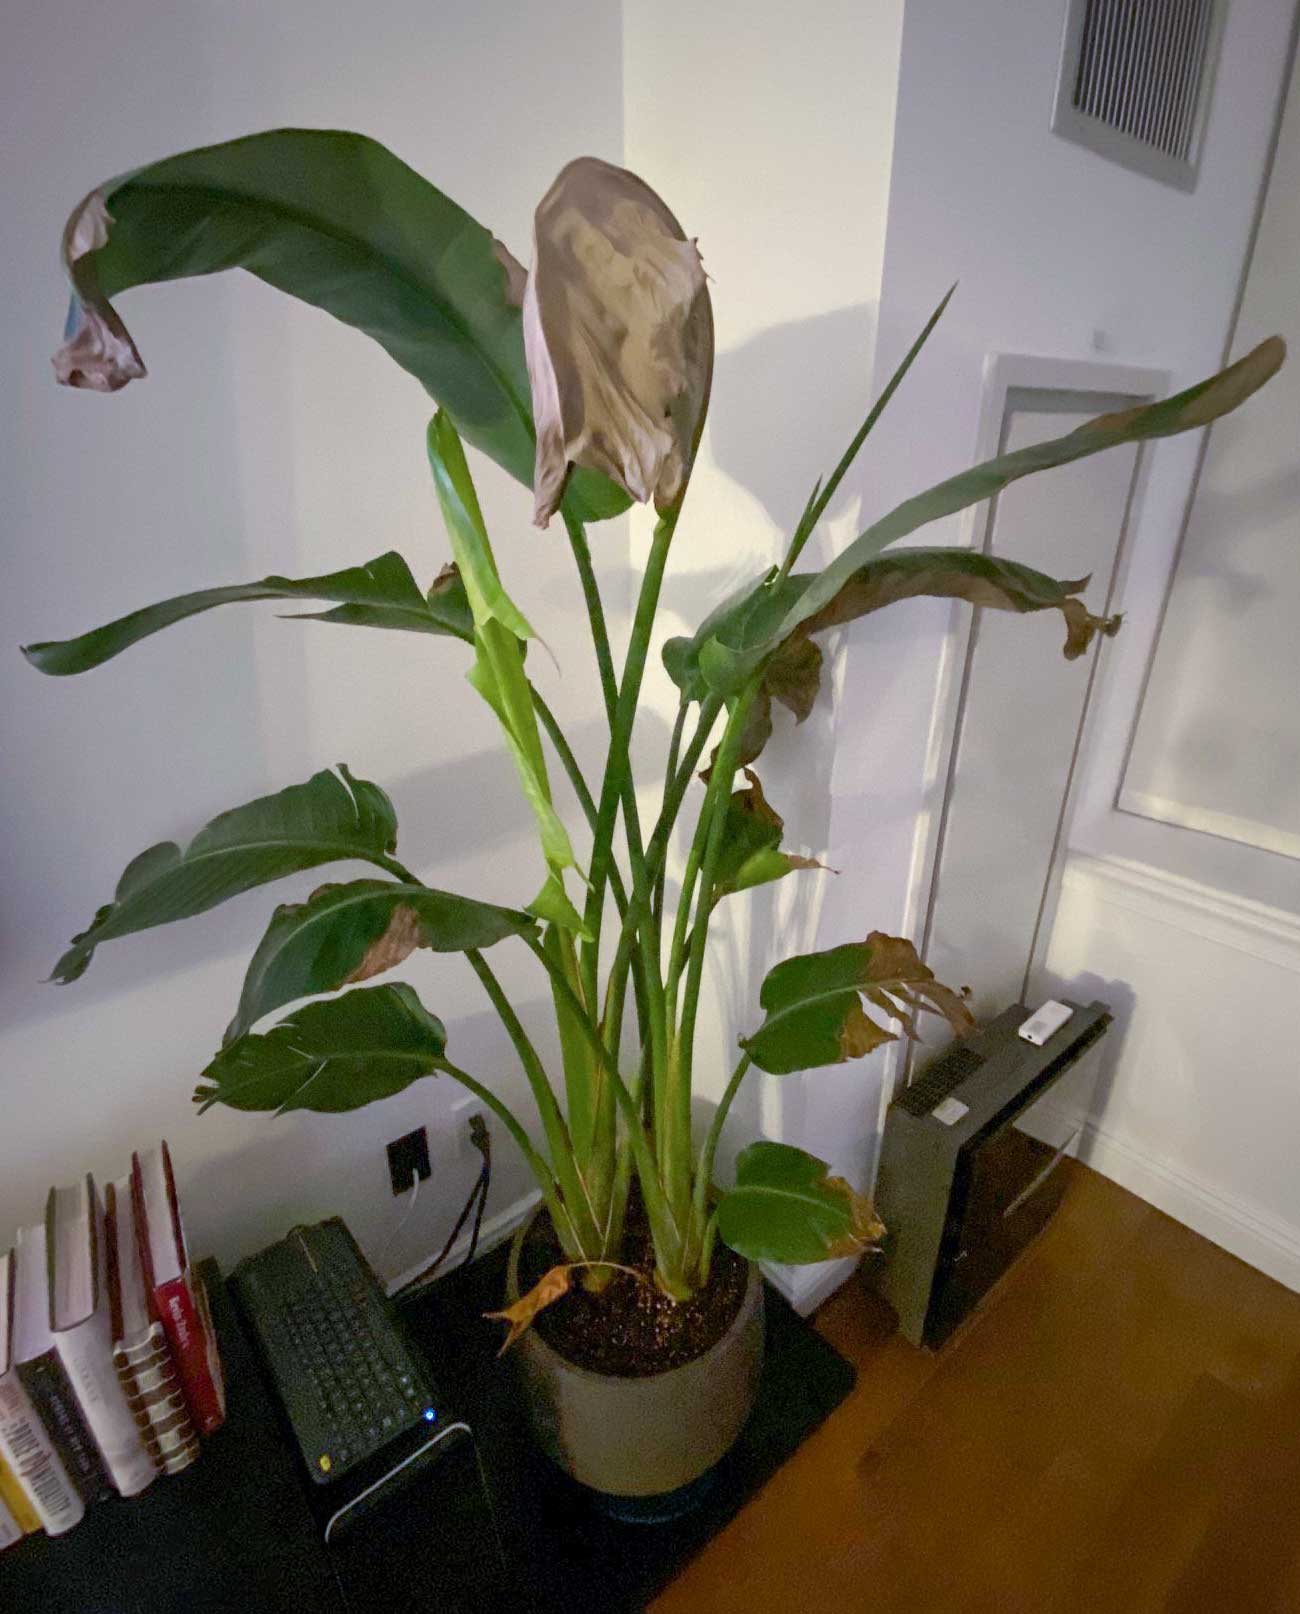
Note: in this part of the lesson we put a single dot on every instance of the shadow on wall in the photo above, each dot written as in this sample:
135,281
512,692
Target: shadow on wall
1084,1093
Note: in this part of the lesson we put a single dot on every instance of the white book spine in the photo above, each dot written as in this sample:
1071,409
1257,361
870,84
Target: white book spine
26,1448
9,1531
87,1355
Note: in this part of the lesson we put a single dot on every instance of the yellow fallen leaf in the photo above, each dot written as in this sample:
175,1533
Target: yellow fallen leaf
550,1287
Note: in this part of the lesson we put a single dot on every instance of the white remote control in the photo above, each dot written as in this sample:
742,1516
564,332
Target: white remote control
1044,1022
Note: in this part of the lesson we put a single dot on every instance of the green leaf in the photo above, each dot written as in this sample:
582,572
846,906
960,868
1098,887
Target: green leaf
787,1207
751,846
331,817
381,594
338,221
498,671
815,1014
733,645
331,1056
347,933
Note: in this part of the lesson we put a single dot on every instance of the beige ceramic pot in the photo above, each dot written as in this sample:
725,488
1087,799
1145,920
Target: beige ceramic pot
641,1437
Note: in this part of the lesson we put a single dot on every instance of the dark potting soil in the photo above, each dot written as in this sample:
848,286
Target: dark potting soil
631,1328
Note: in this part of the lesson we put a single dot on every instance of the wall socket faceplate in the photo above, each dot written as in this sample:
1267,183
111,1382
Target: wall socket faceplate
408,1158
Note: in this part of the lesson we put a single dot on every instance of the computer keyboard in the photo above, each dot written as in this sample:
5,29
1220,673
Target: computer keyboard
350,1382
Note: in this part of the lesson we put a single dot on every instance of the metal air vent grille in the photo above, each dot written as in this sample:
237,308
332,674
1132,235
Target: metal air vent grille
1135,82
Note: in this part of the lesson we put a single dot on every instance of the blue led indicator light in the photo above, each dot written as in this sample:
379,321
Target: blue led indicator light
429,1415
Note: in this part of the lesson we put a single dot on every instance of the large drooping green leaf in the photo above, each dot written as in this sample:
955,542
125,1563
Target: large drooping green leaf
755,623
347,933
337,220
787,1207
330,1056
751,846
500,630
380,594
330,818
815,1014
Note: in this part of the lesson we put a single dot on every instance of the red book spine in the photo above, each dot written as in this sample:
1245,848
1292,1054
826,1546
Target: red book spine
188,1338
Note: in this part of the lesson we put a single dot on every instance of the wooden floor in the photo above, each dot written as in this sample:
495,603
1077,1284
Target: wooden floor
1118,1428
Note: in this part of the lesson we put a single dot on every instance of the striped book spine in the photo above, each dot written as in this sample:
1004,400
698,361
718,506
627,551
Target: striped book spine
26,1448
147,1371
17,1500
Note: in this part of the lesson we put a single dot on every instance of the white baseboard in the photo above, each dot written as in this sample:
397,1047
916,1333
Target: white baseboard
495,1230
808,1287
1244,1230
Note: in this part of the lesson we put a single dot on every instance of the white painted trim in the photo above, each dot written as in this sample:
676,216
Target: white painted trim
495,1230
1228,826
1247,1231
1256,928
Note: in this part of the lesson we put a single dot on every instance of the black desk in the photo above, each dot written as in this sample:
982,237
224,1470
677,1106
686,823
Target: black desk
234,1532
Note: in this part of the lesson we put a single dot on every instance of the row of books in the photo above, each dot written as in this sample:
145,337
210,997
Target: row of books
109,1371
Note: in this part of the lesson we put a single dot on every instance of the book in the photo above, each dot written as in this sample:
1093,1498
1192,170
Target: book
41,1369
16,1499
142,1357
83,1335
25,1447
178,1300
9,1528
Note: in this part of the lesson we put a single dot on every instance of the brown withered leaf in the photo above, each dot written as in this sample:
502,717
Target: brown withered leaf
549,1288
404,933
618,335
867,1229
794,675
969,575
858,1032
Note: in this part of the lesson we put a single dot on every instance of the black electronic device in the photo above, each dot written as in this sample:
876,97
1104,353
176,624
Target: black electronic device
962,1187
355,1392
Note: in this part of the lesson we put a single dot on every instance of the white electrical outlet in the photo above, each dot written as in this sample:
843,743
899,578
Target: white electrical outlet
460,1119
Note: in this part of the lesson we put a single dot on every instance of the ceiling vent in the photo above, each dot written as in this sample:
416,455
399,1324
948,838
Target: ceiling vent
1135,82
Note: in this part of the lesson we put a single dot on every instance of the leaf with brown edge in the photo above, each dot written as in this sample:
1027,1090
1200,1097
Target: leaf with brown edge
751,852
786,1206
345,933
549,1288
815,1010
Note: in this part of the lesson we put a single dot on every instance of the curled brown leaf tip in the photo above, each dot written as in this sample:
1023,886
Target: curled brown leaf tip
618,333
549,1288
97,353
446,578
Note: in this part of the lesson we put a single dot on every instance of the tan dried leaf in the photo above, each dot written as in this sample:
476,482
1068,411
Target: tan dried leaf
618,333
549,1288
794,675
402,935
867,1228
97,352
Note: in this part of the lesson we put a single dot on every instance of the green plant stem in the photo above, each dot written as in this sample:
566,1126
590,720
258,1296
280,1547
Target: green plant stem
569,763
678,1097
670,775
595,612
390,865
617,775
708,1151
669,1232
656,861
564,1228
563,1160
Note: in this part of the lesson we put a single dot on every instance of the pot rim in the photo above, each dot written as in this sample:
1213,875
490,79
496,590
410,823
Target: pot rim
750,1301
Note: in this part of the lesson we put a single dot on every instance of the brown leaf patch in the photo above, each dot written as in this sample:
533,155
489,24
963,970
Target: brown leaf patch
446,579
401,937
860,1034
867,1229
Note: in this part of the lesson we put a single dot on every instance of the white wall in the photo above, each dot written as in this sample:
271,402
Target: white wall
266,438
1057,253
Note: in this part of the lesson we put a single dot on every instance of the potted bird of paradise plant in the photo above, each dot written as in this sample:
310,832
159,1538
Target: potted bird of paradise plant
587,378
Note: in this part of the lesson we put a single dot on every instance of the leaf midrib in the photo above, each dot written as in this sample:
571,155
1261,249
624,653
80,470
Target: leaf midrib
308,220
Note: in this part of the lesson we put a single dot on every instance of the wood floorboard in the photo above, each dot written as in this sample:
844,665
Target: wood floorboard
1116,1429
